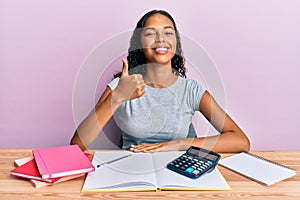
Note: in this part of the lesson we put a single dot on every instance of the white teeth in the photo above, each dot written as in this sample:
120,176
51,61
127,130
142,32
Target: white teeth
161,49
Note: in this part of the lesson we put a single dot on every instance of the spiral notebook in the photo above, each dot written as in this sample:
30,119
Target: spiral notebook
257,168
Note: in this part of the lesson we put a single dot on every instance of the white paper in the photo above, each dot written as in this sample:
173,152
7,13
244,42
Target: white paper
258,169
145,171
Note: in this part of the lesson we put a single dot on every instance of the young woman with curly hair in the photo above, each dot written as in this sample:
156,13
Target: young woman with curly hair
153,102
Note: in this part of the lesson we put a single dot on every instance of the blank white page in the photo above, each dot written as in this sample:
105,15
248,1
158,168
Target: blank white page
168,179
133,173
257,168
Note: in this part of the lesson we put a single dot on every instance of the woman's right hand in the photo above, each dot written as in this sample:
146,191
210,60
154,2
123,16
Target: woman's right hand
129,86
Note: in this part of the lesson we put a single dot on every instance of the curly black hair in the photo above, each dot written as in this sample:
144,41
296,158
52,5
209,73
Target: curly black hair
136,58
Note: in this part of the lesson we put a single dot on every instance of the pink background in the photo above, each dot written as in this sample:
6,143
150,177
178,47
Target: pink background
254,44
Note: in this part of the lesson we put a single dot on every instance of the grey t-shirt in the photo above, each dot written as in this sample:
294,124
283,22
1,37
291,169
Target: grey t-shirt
161,114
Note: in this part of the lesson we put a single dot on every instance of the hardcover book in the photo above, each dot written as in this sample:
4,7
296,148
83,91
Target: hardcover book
61,161
29,170
145,172
39,182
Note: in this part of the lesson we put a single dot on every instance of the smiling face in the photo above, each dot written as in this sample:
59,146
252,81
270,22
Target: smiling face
158,40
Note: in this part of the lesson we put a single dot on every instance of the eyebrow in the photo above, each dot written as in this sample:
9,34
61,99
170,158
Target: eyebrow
152,28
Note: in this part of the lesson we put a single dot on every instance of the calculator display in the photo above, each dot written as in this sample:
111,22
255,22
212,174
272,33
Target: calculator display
203,154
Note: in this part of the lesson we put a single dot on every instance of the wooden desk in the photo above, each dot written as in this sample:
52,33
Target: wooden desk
12,188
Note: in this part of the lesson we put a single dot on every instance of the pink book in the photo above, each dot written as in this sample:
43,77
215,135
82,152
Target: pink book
29,170
61,161
39,184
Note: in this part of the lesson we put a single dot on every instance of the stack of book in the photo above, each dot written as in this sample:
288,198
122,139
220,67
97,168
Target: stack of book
53,165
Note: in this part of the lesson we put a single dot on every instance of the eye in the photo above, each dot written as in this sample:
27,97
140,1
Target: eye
149,34
169,33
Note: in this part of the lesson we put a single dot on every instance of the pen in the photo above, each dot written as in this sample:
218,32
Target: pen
114,160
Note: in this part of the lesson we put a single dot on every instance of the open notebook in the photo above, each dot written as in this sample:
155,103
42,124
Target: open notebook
145,172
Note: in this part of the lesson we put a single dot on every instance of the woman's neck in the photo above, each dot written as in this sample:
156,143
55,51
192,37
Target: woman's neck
159,76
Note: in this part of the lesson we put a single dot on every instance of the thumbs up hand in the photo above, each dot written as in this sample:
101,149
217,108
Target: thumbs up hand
125,68
129,86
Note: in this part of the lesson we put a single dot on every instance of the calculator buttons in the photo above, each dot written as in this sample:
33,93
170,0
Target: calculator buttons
190,169
196,172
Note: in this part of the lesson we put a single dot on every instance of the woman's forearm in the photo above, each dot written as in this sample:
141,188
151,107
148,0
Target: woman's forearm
92,125
226,142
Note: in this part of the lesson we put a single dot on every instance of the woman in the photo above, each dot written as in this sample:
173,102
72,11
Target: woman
153,102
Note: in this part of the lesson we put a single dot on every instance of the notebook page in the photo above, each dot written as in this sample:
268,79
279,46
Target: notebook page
256,168
168,179
132,173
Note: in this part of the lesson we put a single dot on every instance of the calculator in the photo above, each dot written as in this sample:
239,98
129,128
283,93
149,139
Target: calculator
195,162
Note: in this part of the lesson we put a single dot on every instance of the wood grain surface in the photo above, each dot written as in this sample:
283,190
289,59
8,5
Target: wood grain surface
12,188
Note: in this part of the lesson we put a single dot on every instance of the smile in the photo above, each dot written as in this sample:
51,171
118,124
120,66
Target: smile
161,50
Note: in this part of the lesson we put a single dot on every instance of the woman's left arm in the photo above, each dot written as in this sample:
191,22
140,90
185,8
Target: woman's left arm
231,139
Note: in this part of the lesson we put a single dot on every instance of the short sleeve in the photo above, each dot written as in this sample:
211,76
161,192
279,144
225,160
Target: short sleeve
195,94
113,84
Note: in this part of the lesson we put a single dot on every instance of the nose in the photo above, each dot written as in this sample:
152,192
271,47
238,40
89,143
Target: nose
160,37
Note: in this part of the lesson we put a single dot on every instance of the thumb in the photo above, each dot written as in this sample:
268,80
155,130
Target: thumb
125,68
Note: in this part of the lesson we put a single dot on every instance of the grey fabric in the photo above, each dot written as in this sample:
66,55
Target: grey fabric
161,114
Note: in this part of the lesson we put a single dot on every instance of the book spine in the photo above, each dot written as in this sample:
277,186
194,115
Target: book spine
42,167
